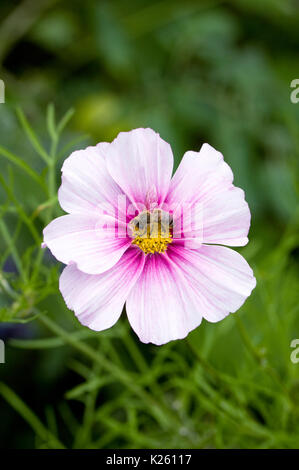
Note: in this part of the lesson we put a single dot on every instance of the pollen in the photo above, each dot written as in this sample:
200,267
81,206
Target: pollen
152,231
152,245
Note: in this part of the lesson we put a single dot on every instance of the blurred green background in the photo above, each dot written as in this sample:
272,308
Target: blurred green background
195,71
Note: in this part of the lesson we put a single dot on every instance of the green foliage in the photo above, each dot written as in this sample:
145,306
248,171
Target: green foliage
194,71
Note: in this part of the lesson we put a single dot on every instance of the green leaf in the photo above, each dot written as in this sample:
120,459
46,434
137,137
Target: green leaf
32,136
23,165
28,415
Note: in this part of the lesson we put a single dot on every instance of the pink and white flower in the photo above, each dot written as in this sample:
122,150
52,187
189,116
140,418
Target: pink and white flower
136,235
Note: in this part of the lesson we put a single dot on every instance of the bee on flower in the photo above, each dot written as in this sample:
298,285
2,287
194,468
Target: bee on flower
136,235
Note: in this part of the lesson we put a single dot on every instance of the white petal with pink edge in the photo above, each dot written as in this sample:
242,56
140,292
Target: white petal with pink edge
159,307
177,290
92,242
86,183
203,184
219,278
98,300
141,163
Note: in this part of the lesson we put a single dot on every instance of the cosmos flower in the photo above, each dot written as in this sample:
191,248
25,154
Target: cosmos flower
135,234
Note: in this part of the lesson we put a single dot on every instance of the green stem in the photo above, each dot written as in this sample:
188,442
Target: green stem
52,174
7,237
162,414
28,415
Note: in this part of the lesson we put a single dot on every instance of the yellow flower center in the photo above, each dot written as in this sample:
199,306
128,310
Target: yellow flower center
151,231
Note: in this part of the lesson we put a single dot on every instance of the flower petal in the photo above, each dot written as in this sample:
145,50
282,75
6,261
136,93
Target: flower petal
141,164
203,182
94,243
86,182
159,307
98,300
219,278
177,289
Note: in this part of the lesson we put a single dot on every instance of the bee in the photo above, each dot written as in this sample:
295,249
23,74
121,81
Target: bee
156,224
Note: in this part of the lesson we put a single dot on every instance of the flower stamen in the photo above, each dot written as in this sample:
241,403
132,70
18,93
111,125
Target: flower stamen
151,231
